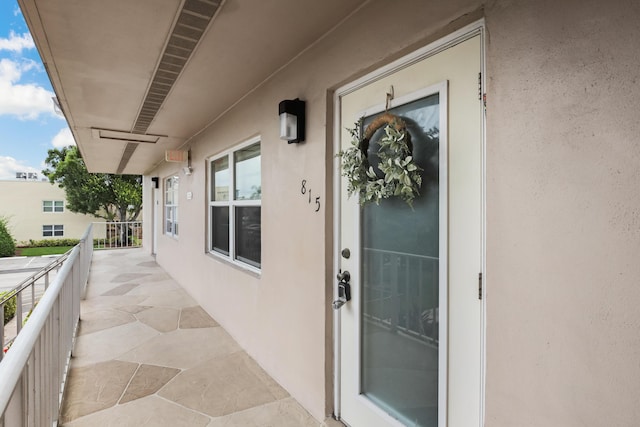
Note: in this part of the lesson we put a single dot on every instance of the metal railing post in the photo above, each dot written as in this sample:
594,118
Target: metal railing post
2,332
18,312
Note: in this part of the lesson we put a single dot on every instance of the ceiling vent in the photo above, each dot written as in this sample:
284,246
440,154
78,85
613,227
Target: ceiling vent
132,140
126,155
194,18
116,135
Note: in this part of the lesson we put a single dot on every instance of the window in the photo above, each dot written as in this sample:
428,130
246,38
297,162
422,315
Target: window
171,206
235,205
52,206
52,230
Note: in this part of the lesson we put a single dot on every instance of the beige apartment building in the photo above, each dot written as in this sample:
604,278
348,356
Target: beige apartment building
507,295
37,210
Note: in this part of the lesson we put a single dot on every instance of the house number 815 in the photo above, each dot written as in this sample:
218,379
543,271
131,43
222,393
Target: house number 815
304,190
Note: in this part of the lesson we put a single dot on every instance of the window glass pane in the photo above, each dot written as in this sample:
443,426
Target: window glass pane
168,196
248,240
175,220
47,230
47,206
247,169
58,206
220,179
176,184
171,205
220,229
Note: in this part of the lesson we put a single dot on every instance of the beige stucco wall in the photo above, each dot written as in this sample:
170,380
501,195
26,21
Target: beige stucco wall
562,208
22,205
563,213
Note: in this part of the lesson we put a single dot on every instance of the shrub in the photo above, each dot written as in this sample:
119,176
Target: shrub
47,243
9,307
7,243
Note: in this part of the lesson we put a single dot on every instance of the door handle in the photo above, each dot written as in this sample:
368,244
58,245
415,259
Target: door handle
344,289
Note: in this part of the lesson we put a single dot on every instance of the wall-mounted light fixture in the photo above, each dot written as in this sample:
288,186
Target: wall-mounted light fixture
188,169
292,120
155,180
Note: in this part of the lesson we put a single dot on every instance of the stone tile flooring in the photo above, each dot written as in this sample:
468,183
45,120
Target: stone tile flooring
148,355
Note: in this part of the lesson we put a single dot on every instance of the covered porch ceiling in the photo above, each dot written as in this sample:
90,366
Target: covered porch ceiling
137,78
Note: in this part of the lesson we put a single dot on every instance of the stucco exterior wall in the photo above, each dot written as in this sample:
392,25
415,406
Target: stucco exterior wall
22,205
563,232
563,213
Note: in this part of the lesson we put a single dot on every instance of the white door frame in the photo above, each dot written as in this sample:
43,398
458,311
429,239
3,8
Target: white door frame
471,30
155,195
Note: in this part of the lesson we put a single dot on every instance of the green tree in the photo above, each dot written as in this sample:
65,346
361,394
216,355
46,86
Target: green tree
7,243
103,195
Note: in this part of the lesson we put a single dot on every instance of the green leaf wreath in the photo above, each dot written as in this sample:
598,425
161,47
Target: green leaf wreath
401,174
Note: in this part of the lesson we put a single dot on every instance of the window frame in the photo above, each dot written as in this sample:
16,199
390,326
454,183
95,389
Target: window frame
57,206
175,178
232,204
53,231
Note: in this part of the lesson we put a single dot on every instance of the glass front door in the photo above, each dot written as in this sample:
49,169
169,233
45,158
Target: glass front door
400,295
410,338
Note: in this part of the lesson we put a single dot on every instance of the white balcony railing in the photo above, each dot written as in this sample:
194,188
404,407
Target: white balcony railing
34,370
113,235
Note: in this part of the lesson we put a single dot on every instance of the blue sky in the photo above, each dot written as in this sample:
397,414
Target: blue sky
29,125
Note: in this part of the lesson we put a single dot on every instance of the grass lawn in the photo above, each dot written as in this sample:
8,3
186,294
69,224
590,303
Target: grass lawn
51,250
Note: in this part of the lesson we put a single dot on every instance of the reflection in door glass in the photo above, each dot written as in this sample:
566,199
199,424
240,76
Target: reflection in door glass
400,320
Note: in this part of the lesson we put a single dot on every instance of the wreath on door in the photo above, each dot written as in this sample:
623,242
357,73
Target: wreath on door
401,176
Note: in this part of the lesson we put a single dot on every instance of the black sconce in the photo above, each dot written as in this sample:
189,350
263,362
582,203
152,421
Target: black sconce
292,120
155,181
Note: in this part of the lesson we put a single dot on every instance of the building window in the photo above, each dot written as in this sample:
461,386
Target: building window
171,206
52,230
235,204
52,206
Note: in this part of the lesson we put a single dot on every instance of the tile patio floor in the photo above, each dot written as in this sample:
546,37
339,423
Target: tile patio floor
147,355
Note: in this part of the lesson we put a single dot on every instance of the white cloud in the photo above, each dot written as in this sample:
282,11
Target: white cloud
26,101
27,64
17,42
9,166
64,138
10,71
